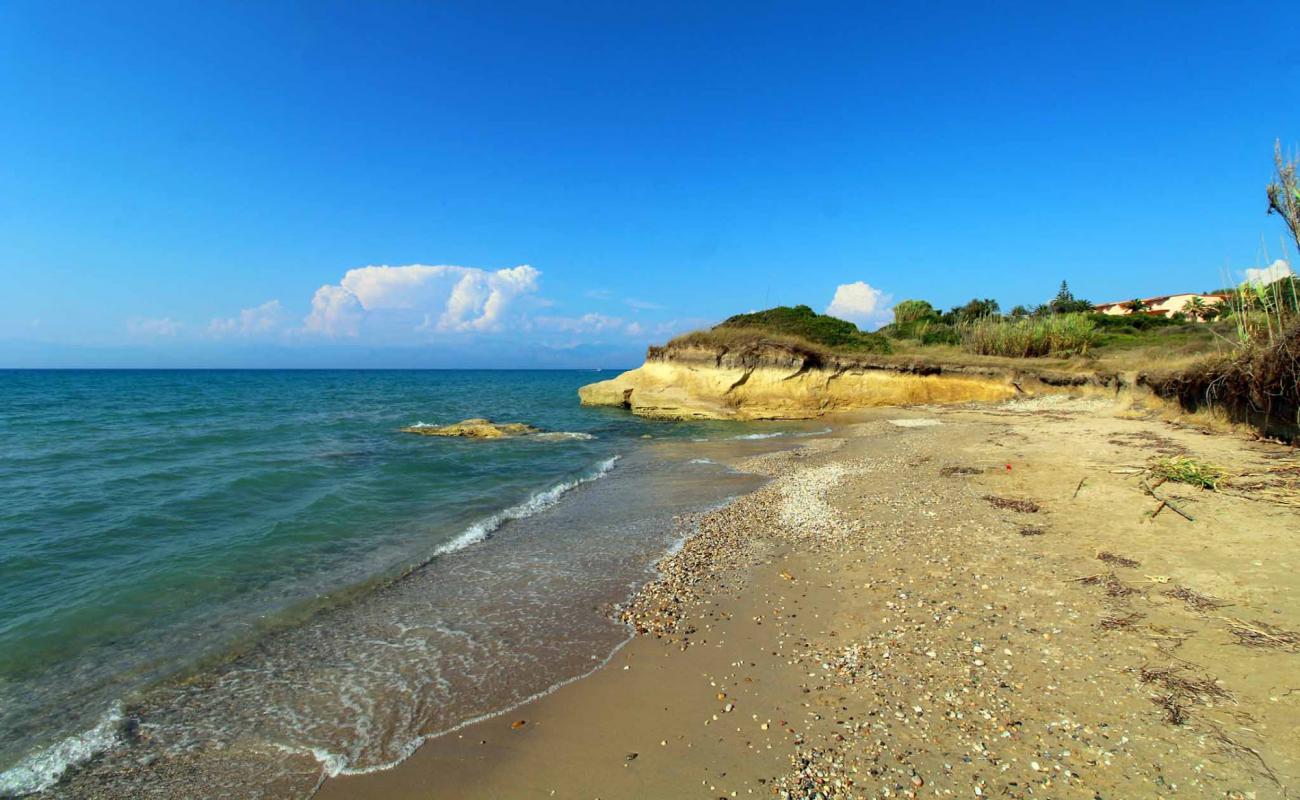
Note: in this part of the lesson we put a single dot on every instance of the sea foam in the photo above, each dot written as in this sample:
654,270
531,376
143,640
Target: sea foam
42,769
537,503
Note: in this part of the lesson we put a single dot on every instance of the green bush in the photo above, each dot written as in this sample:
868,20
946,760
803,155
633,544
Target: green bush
804,323
940,334
1132,323
912,311
1060,334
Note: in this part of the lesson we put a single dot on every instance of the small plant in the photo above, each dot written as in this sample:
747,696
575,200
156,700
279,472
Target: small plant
1185,469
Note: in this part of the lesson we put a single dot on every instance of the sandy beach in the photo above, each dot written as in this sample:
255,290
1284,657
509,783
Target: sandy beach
974,601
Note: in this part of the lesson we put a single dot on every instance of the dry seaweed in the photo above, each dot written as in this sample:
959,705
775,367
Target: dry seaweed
1174,707
1113,585
1195,600
1012,504
1117,621
1177,680
1263,635
1030,530
1117,560
948,472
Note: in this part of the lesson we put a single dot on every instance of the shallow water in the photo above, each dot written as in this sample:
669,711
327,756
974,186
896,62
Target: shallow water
229,584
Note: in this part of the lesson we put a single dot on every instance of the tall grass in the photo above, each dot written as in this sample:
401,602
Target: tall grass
1263,311
1028,337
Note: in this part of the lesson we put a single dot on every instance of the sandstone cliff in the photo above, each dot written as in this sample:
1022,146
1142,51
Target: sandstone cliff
775,380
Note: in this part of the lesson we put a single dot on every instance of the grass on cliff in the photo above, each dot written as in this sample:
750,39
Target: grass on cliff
1257,381
798,327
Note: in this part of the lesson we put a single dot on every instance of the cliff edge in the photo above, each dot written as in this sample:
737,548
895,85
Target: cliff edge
773,379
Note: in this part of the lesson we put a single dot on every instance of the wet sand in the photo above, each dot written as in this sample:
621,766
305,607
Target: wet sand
875,622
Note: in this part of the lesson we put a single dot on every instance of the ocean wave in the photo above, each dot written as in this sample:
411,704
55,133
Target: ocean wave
538,502
814,433
562,435
42,769
702,461
771,435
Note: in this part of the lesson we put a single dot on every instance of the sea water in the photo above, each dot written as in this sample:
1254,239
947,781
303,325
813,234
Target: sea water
236,583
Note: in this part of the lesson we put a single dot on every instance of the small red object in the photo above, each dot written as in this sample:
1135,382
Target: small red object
1008,467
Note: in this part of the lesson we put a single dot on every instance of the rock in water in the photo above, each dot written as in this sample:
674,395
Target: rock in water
475,429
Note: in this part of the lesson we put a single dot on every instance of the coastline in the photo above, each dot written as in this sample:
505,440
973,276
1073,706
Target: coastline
866,624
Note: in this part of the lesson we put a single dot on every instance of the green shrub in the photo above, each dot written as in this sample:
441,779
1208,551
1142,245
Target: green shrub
940,334
803,323
912,311
1060,334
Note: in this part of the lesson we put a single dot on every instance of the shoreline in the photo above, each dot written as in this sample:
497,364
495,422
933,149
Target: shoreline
657,718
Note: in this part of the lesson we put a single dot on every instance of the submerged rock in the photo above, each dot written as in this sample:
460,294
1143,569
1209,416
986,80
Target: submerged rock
475,429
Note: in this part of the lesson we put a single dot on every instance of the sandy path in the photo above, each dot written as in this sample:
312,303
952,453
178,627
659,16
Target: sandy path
868,625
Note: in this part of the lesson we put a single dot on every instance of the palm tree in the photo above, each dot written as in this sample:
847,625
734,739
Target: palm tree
1136,306
1196,308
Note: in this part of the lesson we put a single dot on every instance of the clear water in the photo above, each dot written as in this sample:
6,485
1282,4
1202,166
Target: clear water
232,583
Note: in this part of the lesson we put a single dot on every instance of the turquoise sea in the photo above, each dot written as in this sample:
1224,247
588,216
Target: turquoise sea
234,583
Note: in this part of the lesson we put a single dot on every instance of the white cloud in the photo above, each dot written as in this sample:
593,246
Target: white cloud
861,303
250,322
146,326
1278,269
447,298
587,323
642,305
334,312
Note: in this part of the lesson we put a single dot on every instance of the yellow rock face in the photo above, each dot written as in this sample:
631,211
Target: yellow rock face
713,388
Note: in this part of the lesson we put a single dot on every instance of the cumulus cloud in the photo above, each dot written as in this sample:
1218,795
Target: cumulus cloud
587,323
261,319
447,298
1275,271
147,326
862,303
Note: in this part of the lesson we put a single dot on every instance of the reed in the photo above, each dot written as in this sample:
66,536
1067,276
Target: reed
1029,337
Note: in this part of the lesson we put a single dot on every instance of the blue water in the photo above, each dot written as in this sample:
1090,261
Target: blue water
174,544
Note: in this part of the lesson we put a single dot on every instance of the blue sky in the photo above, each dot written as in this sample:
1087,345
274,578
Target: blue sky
205,186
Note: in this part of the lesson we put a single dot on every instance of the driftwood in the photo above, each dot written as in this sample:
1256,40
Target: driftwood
1165,501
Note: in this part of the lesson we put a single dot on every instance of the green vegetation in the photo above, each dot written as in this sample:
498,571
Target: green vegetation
1184,469
1059,334
1258,380
1066,303
910,311
1284,192
798,326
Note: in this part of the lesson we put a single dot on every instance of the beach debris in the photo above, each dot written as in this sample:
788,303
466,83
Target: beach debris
1013,504
1117,560
1116,621
1113,585
519,723
1080,486
476,428
1165,501
1195,600
948,472
1030,530
1185,469
1263,635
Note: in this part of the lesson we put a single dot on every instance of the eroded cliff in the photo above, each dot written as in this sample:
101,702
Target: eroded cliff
774,380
